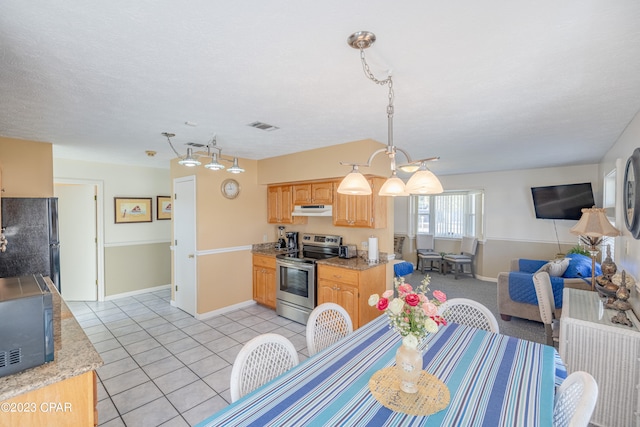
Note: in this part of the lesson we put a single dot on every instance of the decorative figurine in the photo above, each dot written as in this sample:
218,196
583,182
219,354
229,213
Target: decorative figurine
621,304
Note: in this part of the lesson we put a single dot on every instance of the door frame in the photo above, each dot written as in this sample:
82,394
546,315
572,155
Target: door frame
185,179
99,186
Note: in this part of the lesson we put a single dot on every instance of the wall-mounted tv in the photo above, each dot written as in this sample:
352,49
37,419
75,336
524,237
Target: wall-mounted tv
562,201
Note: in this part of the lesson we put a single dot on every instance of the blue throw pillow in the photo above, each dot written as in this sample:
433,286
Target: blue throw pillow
580,267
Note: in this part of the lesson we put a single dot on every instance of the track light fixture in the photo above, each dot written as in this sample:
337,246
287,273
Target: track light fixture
191,159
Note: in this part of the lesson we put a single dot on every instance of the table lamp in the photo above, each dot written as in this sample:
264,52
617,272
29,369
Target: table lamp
592,227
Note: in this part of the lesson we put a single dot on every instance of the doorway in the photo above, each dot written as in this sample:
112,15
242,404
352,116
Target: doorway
79,225
184,244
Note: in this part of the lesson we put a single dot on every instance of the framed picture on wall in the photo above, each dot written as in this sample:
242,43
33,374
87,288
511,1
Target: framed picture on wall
163,207
135,209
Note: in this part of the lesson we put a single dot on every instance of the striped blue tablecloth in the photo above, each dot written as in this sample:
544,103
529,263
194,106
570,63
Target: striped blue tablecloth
494,380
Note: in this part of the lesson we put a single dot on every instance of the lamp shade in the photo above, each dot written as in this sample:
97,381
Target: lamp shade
235,168
355,183
393,187
214,164
424,182
594,223
189,160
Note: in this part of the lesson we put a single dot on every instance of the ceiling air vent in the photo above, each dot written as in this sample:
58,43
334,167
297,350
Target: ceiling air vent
263,126
195,145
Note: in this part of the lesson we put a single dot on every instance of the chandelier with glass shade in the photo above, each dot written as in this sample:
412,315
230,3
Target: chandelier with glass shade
423,181
191,159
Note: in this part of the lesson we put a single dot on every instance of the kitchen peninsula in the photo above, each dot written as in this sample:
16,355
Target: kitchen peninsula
58,393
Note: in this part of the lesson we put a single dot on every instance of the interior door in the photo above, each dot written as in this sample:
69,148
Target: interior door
184,244
77,219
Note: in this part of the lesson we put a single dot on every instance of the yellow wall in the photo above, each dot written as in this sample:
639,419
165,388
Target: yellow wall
26,167
226,229
136,267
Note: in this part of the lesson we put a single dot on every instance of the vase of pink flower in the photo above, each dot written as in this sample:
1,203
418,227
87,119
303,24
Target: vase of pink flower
413,315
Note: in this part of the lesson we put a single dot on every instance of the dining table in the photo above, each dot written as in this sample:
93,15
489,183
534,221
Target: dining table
492,380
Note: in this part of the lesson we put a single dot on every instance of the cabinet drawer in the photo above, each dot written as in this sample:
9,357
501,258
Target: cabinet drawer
337,274
264,261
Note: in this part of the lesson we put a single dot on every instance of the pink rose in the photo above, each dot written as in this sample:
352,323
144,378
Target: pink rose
429,309
423,298
440,296
387,294
439,320
412,299
405,288
383,303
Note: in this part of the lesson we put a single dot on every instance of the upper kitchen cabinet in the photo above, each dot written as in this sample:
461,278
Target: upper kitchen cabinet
361,211
315,193
280,206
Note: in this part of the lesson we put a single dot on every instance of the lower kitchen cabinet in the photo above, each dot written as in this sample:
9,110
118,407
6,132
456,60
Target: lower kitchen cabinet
351,289
264,280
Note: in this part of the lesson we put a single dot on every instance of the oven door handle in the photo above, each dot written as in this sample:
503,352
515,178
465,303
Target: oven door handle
297,265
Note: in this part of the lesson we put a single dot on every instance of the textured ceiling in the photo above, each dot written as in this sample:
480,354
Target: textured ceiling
485,85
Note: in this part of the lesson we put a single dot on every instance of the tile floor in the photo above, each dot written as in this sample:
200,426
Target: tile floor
162,367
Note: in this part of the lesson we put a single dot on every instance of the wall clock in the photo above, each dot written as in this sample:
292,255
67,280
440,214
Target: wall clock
631,194
230,188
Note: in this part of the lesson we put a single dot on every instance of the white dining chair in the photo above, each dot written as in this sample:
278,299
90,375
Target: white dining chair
546,305
575,400
469,312
259,361
327,324
426,253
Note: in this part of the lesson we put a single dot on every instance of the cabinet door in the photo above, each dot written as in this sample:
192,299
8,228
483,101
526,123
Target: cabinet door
327,292
348,299
322,193
341,210
301,194
270,287
258,285
273,204
352,211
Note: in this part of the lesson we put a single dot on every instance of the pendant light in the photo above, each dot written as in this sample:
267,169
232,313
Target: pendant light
354,182
191,160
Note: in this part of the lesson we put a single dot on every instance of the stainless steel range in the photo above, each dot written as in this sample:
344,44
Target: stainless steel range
296,275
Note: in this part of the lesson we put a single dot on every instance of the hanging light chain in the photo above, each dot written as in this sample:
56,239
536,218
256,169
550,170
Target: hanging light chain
388,81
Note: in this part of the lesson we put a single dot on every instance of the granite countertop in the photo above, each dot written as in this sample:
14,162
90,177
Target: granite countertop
356,263
74,354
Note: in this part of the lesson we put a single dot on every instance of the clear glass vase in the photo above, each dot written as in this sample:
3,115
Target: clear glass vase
409,367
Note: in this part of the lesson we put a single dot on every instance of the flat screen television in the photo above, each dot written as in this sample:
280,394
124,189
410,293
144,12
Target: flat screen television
562,201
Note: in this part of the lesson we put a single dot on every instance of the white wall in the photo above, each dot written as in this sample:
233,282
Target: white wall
509,213
122,181
628,249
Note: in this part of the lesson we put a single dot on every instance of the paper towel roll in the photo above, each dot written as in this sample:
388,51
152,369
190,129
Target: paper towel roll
373,249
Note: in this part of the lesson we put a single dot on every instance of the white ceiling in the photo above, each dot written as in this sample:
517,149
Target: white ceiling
485,85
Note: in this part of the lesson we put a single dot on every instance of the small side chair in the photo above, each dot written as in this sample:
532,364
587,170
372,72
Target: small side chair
327,324
259,361
466,257
469,312
426,253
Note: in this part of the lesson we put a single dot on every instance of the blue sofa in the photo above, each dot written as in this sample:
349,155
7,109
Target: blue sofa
517,295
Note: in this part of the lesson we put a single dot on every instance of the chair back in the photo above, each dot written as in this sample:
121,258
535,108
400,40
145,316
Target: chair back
259,361
468,312
544,292
327,324
575,400
469,246
424,242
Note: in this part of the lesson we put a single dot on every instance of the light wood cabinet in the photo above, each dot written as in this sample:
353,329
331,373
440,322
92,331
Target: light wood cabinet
361,211
314,193
264,280
71,402
351,290
280,206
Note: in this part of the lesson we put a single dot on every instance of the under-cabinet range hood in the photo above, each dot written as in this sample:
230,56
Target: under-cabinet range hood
312,210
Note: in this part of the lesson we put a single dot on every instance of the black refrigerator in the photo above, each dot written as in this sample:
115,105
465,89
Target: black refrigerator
31,229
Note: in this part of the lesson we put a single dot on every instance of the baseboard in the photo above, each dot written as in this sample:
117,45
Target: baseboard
138,292
218,312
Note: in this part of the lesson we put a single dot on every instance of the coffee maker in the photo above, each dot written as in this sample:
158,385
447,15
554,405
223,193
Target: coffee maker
292,241
281,243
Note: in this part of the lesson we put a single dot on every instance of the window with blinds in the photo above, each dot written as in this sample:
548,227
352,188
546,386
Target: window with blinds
450,214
